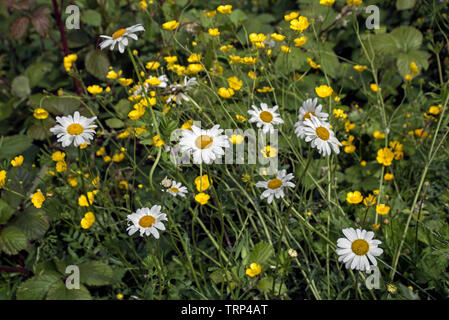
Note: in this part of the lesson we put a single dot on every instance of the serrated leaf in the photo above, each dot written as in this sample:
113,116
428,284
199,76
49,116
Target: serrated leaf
12,240
32,223
261,253
5,211
115,123
19,27
60,292
13,145
20,86
36,288
97,64
96,273
408,38
39,19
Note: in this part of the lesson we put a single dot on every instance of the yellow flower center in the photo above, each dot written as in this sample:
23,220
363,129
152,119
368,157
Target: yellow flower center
274,183
75,129
204,141
118,33
146,221
175,190
307,115
322,133
266,116
360,247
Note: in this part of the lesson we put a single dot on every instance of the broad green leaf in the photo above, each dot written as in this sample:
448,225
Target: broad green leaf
266,285
91,17
97,63
5,211
12,240
96,273
59,291
77,38
405,4
61,105
261,253
122,108
417,56
407,38
115,123
32,222
13,145
20,86
237,16
36,288
37,71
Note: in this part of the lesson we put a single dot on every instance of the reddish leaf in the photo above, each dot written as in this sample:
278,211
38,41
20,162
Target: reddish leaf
18,5
40,21
19,27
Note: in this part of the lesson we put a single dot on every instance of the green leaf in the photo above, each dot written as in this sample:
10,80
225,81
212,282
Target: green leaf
60,292
266,285
261,253
13,145
418,56
31,222
405,4
20,86
36,288
97,64
115,123
61,105
96,273
12,240
407,38
37,71
122,108
91,17
5,211
237,16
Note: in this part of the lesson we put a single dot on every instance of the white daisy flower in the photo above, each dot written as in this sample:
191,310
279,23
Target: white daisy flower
146,221
265,117
76,129
321,136
275,187
163,79
357,248
120,37
205,145
177,189
309,108
178,90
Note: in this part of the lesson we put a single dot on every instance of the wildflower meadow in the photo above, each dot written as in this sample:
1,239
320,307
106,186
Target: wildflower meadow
224,150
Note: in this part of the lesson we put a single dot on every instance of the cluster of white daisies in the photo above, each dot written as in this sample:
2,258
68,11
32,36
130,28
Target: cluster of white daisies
357,250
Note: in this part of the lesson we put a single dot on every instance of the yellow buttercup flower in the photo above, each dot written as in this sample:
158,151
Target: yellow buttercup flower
73,181
226,9
202,183
291,16
38,199
187,125
360,68
236,139
240,118
88,220
369,201
58,156
324,91
257,37
61,166
118,157
285,49
388,177
363,163
157,141
40,114
95,89
385,156
300,24
265,89
171,59
378,135
299,42
277,37
112,75
269,152
253,270
210,14
226,48
374,87
226,93
382,209
354,2
170,25
152,65
17,161
202,198
354,197
69,60
327,3
235,83
214,32
340,113
414,68
2,178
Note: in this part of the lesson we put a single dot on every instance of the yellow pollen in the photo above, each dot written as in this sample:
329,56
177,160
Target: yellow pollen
322,133
360,247
146,221
204,142
118,33
274,184
175,190
307,115
75,129
266,116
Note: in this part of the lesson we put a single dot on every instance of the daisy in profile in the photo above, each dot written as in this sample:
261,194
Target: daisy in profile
76,129
120,37
146,221
309,108
205,145
177,189
177,90
321,136
150,83
265,117
275,187
358,249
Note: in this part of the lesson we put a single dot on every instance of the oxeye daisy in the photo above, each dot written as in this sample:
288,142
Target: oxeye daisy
357,248
76,129
120,37
147,221
178,90
309,108
275,187
265,117
177,189
205,145
321,136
